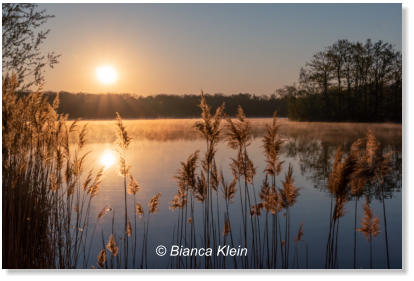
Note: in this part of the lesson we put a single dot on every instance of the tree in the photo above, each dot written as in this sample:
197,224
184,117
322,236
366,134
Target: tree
22,38
319,71
337,56
350,81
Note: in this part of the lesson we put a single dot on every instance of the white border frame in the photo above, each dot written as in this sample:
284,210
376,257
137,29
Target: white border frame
310,275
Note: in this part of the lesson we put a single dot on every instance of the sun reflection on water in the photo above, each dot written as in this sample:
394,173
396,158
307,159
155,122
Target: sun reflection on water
107,158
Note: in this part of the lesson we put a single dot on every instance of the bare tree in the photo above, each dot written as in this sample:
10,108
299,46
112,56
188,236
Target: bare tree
22,39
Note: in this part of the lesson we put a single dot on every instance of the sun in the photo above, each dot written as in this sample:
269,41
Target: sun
106,74
107,158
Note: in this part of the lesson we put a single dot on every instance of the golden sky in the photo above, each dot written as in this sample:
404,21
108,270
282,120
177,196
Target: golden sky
178,49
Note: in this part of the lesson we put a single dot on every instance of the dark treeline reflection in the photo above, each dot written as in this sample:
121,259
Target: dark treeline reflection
316,158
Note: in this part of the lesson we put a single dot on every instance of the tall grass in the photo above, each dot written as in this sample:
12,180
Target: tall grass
46,192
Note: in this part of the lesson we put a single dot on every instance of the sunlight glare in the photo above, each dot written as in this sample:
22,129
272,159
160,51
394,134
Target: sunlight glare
108,158
106,74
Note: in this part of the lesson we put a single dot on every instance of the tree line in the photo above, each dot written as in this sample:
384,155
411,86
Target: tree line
104,106
349,81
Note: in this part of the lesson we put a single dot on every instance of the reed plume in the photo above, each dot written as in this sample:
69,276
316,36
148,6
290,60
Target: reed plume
209,128
129,229
372,168
272,144
297,240
256,210
226,228
186,176
102,258
154,203
289,192
186,181
133,186
349,175
300,233
105,210
288,195
238,137
111,246
123,142
370,227
94,187
229,190
139,210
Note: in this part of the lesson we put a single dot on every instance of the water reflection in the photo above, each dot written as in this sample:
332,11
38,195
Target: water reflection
108,158
315,158
160,145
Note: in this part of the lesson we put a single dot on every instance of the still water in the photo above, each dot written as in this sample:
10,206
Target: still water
159,146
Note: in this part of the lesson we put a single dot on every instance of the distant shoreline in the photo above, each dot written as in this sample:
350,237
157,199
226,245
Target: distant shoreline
251,118
104,107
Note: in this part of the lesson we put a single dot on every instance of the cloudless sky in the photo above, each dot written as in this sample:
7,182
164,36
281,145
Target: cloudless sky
221,48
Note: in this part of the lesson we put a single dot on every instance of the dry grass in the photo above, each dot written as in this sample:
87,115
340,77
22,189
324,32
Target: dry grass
46,192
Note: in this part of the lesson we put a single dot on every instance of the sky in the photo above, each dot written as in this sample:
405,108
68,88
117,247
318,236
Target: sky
220,48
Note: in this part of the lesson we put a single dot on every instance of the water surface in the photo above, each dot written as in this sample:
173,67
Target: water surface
159,146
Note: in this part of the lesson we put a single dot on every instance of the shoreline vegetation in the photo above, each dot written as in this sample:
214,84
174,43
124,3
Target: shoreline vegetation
47,193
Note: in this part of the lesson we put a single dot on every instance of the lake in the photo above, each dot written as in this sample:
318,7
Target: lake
154,157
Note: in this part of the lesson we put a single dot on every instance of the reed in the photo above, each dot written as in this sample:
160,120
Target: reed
46,192
298,239
288,195
272,144
338,182
365,163
374,167
238,137
123,142
370,227
209,128
133,188
187,188
229,191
